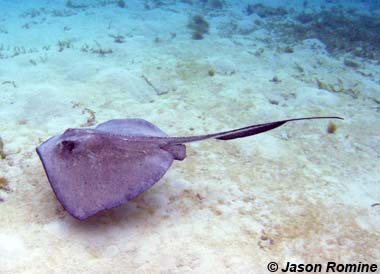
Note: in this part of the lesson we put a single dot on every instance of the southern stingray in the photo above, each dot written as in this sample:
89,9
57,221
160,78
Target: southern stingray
93,169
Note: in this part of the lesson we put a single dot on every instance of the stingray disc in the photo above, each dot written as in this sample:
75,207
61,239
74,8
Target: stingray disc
95,169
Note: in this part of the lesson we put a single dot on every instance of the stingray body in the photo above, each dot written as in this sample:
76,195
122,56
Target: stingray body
91,170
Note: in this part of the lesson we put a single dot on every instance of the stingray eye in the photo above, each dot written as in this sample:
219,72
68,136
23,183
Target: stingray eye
68,145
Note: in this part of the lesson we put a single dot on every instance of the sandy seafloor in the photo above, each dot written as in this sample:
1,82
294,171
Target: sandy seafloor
293,194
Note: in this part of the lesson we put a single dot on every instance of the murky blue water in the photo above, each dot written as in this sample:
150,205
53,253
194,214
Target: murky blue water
26,26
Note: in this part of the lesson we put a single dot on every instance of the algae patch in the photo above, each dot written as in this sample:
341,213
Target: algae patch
4,186
2,153
199,26
193,70
3,183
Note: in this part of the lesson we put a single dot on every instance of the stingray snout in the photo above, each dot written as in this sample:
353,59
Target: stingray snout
76,140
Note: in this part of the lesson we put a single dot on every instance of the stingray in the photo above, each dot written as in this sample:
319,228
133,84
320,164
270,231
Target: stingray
94,169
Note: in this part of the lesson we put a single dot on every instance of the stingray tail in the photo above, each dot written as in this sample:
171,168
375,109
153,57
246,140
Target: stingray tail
242,132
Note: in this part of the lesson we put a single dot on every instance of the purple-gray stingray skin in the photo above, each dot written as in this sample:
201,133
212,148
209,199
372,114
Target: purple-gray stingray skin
93,169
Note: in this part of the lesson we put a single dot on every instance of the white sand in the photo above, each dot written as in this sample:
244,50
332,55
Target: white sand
293,194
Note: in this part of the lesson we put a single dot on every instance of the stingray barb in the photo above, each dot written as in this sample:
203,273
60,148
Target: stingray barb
94,169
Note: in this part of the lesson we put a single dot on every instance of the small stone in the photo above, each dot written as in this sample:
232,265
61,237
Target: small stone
211,72
273,102
331,128
288,49
351,63
275,79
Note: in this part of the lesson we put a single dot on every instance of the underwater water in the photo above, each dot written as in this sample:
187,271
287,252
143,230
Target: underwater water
306,192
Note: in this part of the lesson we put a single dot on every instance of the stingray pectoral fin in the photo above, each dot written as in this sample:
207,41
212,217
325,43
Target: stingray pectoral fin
131,127
242,132
178,151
